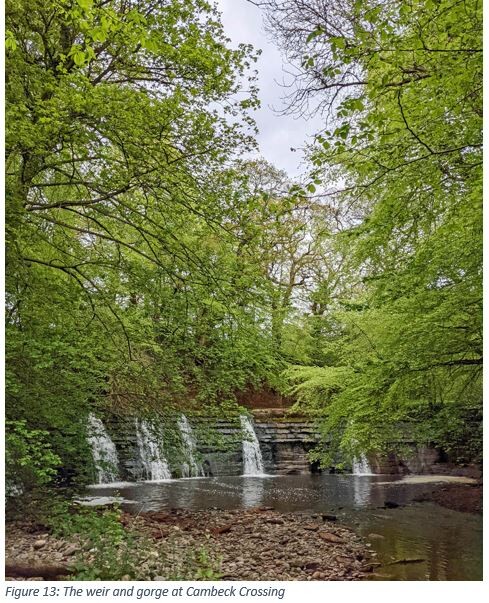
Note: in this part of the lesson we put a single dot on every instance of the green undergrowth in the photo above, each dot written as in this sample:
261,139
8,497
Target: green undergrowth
110,550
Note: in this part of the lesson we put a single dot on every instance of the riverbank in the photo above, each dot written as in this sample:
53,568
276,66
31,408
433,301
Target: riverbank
466,498
252,544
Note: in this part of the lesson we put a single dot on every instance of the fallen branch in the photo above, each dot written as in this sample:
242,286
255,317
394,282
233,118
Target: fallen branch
409,560
20,570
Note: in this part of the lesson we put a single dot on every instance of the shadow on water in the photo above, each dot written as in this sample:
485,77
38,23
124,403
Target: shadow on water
432,543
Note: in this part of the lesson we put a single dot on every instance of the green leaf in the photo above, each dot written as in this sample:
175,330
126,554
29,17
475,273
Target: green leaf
314,34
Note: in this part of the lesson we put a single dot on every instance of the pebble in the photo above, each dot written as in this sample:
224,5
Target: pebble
331,537
262,545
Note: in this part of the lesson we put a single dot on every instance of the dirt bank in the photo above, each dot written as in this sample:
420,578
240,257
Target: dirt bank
466,498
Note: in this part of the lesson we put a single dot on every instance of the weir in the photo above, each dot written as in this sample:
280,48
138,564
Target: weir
361,466
252,457
153,461
103,451
190,467
246,445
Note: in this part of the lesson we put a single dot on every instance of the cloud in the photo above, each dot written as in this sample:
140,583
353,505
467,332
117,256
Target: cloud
243,22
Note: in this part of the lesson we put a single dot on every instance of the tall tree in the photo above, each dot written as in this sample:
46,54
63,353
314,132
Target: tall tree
121,117
399,85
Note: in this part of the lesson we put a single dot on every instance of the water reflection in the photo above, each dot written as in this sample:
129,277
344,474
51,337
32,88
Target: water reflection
361,490
253,489
446,544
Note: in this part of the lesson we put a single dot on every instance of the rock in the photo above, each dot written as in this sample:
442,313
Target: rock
32,570
311,565
311,526
222,529
343,560
374,536
328,537
161,517
159,579
39,544
289,547
328,517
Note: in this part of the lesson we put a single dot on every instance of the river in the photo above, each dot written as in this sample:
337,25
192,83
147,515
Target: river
435,543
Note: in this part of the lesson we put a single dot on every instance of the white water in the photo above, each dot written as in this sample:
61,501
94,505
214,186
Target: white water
252,458
152,458
103,451
361,466
190,468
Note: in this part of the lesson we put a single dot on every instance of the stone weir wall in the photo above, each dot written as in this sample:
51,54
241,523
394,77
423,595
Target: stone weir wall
284,443
284,446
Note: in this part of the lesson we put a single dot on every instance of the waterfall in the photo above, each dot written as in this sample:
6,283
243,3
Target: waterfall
152,459
361,466
252,458
190,468
103,451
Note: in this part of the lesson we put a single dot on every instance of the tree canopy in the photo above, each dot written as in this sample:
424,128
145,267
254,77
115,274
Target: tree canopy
400,88
151,263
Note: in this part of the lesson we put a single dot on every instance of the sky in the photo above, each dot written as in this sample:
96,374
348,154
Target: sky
243,22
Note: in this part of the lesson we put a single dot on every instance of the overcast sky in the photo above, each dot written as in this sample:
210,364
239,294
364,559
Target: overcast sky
243,22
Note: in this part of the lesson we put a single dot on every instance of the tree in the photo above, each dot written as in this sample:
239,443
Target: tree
399,85
122,116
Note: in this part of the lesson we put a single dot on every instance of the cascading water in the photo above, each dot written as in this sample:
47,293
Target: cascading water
190,468
152,459
103,451
361,466
252,458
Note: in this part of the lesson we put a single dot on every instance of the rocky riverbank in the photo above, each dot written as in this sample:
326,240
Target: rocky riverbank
252,544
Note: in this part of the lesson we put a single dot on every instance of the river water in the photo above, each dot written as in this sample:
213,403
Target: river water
438,544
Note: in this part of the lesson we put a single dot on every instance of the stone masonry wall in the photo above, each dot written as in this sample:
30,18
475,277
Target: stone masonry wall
284,442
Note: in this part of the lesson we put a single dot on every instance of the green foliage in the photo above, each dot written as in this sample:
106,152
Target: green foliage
29,459
401,152
110,550
123,285
199,563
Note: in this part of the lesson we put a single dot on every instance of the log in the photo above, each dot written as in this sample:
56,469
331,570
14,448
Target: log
409,560
23,570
